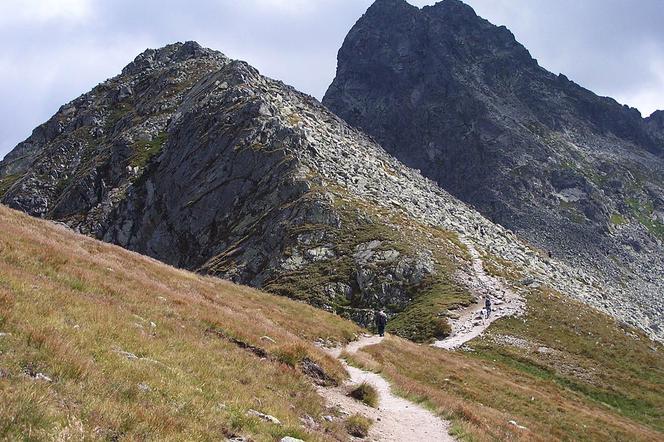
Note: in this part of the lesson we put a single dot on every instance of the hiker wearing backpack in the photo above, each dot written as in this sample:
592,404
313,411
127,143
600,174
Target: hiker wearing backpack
487,306
381,322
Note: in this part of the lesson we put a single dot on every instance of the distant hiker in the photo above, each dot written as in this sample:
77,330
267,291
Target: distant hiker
487,306
381,322
550,254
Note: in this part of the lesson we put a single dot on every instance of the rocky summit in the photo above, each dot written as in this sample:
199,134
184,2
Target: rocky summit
203,163
579,175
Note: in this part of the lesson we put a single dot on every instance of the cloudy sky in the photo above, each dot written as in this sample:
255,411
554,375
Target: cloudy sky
54,50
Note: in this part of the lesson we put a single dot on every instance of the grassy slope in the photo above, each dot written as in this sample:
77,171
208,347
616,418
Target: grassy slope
575,374
70,306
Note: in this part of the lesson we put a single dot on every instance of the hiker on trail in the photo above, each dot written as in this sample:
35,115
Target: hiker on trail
381,322
487,306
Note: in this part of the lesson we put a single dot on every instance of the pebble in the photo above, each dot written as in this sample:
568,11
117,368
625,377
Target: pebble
520,427
43,377
265,417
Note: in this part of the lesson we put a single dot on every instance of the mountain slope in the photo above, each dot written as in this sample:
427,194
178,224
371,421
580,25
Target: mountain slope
199,161
99,343
449,93
209,166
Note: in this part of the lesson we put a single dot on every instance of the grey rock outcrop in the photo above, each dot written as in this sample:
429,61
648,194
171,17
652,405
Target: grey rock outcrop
450,94
201,162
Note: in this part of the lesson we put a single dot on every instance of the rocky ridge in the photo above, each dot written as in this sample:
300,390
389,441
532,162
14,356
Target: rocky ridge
203,163
450,94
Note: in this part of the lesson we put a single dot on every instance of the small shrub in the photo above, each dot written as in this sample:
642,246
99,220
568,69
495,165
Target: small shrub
291,354
618,220
358,426
365,393
144,151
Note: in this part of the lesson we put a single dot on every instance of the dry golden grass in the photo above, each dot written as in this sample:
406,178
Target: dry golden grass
482,391
137,350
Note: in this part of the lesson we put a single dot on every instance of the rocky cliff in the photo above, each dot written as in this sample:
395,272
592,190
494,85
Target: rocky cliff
201,162
452,95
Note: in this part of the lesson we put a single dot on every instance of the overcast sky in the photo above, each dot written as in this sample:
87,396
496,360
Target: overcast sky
55,50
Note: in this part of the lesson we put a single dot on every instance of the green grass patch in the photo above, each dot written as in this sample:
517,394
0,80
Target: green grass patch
144,151
640,409
424,320
643,212
365,393
358,426
617,219
516,362
593,356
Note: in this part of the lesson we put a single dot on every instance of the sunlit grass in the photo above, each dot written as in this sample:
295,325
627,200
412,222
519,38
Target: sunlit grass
580,377
126,343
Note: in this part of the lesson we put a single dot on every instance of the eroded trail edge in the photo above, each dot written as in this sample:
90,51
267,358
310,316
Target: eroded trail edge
395,419
471,322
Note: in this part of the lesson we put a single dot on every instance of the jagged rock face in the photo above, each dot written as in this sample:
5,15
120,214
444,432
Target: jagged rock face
201,162
87,154
655,124
448,93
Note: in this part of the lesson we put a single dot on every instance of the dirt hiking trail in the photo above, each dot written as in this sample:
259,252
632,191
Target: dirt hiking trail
395,419
471,322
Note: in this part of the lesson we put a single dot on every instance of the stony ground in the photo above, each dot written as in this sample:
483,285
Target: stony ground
473,321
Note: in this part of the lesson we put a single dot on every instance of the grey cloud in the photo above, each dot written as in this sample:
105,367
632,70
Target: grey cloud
613,47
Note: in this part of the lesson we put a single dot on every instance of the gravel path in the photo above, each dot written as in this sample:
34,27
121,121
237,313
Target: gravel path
471,322
395,419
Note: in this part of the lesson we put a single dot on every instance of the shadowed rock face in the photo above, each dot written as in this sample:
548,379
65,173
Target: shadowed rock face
452,95
201,162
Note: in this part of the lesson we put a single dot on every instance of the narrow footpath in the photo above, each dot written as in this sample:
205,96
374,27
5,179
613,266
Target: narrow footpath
395,419
472,322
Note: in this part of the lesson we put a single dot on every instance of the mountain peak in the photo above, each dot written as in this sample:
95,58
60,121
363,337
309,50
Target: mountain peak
390,7
172,53
657,116
454,6
450,94
451,7
390,4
